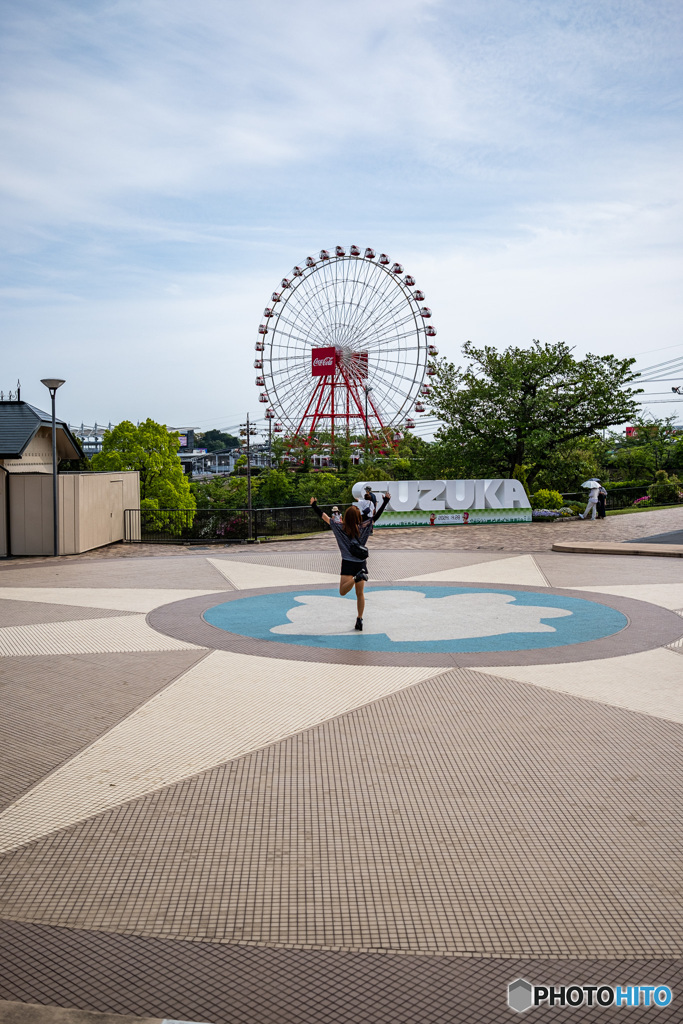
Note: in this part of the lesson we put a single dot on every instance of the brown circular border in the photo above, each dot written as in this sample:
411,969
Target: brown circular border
648,627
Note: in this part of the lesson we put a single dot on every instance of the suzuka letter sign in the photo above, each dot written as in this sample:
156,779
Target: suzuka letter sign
323,361
449,502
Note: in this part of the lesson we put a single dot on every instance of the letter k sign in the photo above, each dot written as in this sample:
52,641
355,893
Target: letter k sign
491,488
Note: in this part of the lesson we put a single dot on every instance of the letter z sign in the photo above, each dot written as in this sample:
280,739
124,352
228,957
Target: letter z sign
323,361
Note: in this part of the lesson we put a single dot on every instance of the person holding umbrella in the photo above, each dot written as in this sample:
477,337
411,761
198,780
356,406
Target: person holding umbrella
602,495
593,494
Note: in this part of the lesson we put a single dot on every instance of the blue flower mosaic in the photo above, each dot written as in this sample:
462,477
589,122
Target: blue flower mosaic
420,619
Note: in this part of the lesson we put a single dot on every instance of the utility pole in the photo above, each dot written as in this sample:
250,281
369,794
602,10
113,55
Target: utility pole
270,415
247,430
367,390
249,472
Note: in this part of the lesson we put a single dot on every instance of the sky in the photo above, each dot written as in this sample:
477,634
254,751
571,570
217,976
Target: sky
164,164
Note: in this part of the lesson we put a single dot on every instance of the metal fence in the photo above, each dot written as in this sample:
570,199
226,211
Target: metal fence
621,497
218,526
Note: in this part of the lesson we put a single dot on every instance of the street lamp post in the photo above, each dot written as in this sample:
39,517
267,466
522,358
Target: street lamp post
52,383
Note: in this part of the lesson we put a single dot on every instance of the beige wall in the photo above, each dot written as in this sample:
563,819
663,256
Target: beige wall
31,514
3,515
91,507
37,456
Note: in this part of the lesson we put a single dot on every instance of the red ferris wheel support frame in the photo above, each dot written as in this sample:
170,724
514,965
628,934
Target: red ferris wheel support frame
322,410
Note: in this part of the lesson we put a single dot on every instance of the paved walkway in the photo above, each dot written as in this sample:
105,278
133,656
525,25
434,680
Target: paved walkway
521,536
265,823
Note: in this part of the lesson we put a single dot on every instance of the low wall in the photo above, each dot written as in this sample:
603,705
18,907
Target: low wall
90,510
30,517
4,521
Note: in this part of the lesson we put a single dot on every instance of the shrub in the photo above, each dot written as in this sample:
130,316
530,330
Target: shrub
545,499
156,520
616,485
665,489
643,502
519,473
576,507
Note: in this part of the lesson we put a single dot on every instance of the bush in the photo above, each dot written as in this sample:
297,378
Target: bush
665,489
545,499
156,520
576,507
519,473
616,485
643,502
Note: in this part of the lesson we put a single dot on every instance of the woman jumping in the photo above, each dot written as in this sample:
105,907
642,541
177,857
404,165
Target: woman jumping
349,534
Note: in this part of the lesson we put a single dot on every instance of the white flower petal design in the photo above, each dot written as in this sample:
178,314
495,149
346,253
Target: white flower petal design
409,615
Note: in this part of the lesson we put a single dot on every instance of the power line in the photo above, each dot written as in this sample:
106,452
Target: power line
679,344
660,366
664,401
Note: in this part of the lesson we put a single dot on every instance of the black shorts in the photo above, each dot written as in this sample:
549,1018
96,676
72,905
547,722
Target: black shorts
350,568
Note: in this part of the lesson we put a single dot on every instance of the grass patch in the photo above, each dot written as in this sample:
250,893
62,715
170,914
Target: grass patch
629,511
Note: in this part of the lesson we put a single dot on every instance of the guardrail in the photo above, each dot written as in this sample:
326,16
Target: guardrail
621,497
218,525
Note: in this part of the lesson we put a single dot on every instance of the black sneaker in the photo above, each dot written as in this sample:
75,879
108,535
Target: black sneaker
359,625
362,575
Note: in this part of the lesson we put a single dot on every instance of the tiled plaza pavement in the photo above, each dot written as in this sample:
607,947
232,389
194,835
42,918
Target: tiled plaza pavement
216,834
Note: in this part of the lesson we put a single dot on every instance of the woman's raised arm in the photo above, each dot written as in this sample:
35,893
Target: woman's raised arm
384,504
323,515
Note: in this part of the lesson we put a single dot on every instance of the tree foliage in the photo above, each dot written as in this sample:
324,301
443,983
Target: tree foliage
216,441
654,444
521,407
153,452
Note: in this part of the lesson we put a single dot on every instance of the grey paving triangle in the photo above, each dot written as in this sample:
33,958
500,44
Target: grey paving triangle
410,824
224,706
56,705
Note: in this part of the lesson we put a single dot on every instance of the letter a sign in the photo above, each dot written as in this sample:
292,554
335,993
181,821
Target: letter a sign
323,361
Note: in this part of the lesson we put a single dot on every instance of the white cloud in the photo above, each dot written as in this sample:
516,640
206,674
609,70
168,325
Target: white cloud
163,164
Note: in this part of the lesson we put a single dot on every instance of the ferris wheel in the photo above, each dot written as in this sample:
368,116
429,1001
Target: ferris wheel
344,346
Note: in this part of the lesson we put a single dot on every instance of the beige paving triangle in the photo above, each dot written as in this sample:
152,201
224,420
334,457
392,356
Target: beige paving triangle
87,636
124,600
666,595
248,576
225,706
650,682
519,569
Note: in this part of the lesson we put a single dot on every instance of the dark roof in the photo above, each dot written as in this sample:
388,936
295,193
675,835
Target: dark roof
19,423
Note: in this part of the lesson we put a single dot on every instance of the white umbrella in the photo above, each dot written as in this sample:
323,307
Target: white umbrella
590,483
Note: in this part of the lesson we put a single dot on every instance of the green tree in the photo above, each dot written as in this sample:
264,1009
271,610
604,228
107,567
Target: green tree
328,488
569,465
216,441
520,406
277,489
223,492
652,446
153,451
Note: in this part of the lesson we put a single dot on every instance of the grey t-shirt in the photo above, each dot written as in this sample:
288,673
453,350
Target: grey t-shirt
344,541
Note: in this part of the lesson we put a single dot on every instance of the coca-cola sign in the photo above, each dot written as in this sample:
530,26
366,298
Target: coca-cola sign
323,361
